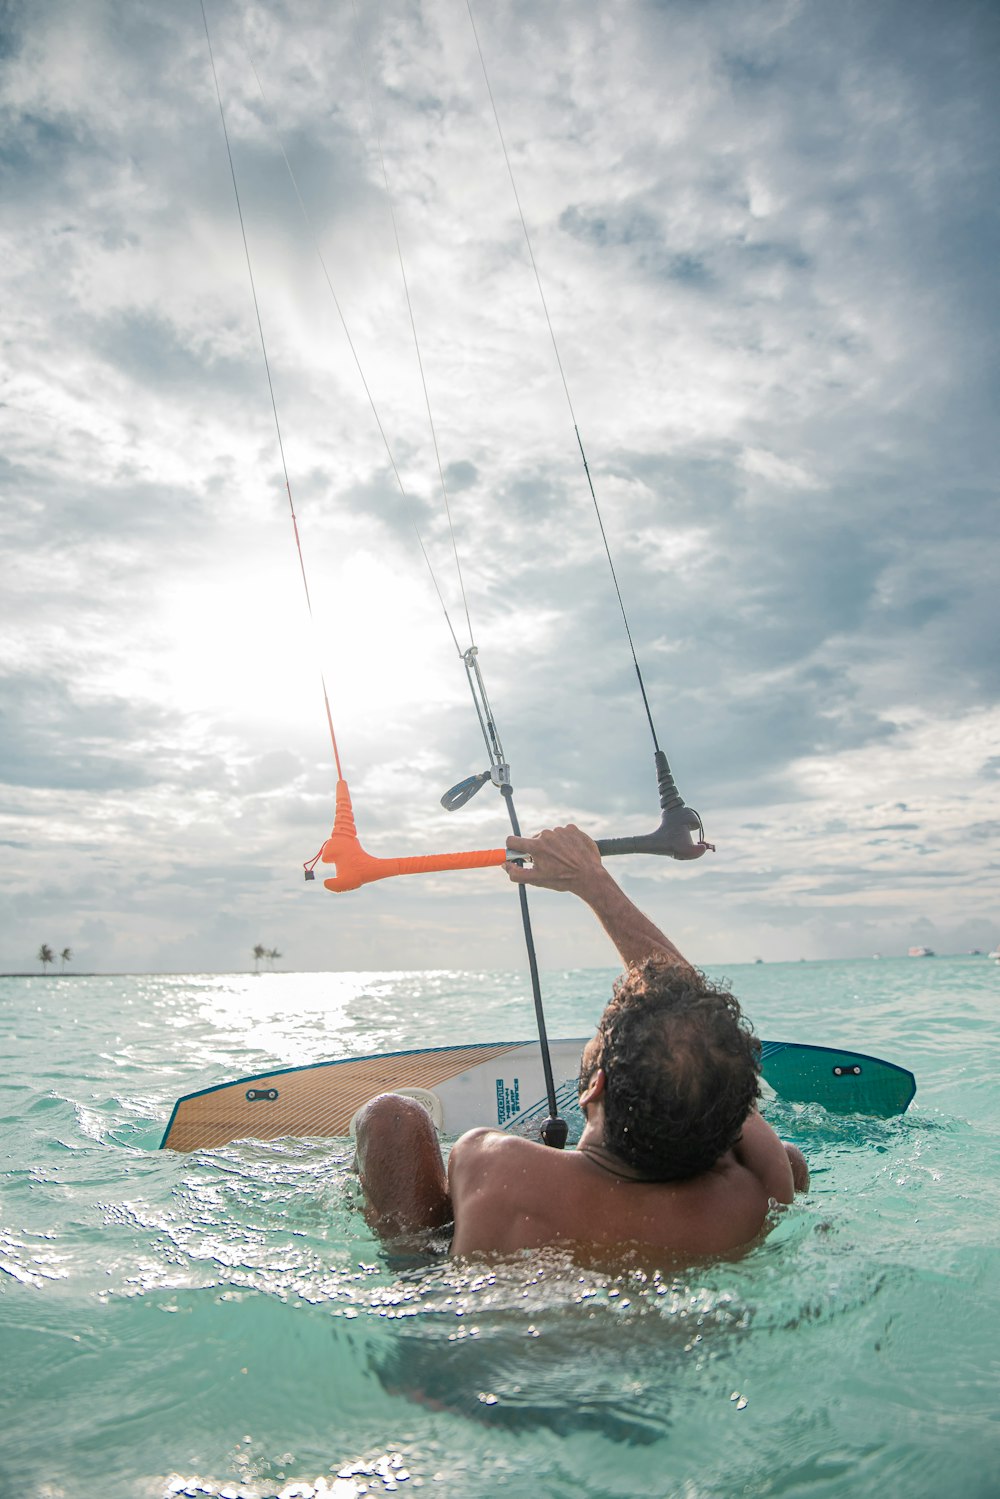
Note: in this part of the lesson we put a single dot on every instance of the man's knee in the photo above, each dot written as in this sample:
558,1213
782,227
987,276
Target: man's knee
391,1117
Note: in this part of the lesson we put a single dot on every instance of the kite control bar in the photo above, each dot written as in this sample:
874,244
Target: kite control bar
354,867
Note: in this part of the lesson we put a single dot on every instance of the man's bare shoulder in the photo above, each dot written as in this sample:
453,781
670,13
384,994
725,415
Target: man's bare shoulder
509,1193
760,1152
497,1151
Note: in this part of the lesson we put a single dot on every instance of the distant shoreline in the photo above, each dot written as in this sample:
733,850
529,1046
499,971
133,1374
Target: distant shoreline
73,973
114,973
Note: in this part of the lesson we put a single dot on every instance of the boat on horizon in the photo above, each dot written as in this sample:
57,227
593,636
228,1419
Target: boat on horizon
921,952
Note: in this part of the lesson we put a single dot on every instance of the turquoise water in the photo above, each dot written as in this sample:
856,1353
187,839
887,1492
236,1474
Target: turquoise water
224,1324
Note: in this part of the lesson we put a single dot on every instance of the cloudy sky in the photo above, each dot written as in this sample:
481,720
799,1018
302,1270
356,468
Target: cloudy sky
767,235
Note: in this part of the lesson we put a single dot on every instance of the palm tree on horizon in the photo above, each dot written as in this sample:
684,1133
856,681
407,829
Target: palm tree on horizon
260,951
46,956
64,958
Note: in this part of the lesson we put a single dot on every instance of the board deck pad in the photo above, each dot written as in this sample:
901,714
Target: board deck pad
493,1083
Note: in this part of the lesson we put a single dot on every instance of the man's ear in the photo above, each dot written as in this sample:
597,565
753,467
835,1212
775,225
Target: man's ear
594,1088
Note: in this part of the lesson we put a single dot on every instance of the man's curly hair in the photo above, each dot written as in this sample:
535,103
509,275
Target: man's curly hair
682,1070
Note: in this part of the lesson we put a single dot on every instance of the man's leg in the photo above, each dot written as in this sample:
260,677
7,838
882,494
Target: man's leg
401,1168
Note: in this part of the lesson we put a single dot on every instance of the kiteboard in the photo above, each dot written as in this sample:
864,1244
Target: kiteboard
500,1084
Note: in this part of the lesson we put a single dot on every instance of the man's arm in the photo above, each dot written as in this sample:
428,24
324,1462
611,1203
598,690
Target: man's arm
566,859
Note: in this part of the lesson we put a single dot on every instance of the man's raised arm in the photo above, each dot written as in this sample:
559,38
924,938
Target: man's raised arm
567,859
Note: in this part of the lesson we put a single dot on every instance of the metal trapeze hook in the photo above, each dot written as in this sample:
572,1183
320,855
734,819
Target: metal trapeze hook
464,791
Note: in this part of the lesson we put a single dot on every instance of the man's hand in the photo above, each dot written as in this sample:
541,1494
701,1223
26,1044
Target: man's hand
561,859
566,859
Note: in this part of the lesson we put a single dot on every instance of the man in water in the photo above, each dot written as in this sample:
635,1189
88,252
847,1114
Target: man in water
674,1155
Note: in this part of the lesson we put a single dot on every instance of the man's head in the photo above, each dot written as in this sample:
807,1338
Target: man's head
681,1070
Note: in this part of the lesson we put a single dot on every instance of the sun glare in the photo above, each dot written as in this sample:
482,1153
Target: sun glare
240,643
289,1016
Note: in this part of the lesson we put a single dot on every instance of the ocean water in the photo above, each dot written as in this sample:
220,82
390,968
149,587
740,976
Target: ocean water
224,1324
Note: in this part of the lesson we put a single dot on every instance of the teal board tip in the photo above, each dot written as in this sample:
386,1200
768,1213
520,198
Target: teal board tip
842,1082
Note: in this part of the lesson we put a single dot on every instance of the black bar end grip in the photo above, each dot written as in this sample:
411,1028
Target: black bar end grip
670,797
672,838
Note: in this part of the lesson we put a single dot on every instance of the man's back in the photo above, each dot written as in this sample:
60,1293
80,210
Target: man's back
508,1194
